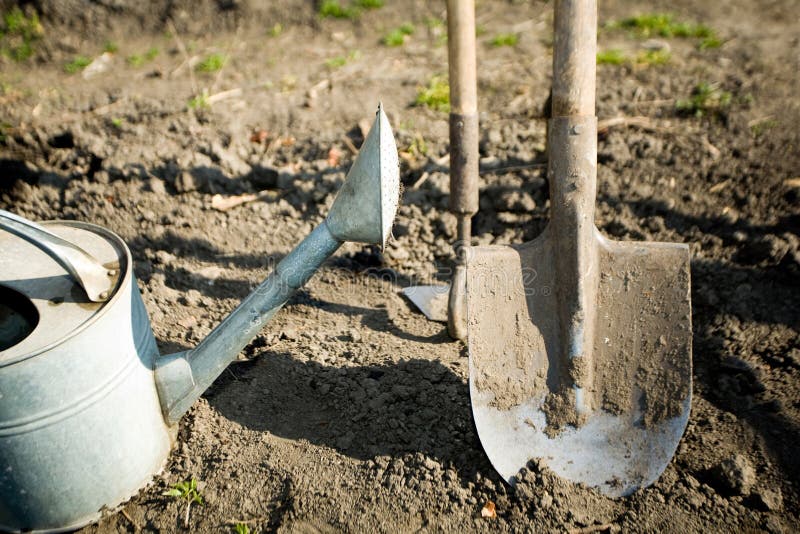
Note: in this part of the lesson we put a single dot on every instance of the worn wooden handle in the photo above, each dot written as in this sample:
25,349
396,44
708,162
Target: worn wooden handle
463,107
574,58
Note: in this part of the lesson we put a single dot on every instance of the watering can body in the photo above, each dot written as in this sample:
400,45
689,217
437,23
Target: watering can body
88,407
80,417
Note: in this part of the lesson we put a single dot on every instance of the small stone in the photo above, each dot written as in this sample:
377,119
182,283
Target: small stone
157,186
355,335
736,475
546,500
290,334
185,182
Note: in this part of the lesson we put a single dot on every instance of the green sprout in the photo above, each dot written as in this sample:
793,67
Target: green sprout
706,98
241,528
611,57
334,9
436,95
111,47
19,34
398,36
77,64
137,60
117,122
199,101
665,25
211,63
653,57
369,4
341,61
186,491
504,39
276,30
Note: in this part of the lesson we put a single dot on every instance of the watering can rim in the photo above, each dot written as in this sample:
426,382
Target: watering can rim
125,276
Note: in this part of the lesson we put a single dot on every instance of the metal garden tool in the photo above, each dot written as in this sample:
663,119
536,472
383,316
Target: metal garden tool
448,303
87,405
579,346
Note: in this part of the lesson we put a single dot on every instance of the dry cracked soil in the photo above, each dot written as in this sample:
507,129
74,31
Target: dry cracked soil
350,412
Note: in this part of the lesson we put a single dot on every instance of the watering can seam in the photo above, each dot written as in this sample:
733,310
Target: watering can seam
43,419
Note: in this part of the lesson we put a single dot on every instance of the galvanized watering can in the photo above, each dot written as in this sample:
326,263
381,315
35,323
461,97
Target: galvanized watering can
87,405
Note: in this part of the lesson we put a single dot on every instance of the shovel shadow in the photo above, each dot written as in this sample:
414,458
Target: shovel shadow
412,406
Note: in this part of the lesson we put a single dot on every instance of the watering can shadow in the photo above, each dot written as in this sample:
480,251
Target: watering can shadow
88,408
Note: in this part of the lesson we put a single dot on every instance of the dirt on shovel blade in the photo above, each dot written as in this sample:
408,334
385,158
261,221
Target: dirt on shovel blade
351,412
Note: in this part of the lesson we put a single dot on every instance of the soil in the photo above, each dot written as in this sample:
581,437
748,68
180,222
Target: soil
351,412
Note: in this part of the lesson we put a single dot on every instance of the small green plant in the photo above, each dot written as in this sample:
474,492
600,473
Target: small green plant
211,63
611,57
504,39
199,101
341,61
760,127
117,122
19,34
369,4
137,60
653,57
665,25
436,95
276,30
334,9
111,47
77,64
706,98
712,41
398,36
186,491
241,528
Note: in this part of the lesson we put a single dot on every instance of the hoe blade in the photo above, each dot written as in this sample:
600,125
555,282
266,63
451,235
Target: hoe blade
618,430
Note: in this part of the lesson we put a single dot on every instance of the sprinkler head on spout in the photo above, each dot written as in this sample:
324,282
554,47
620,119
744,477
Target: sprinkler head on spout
367,202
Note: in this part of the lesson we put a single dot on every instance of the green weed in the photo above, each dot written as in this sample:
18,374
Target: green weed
211,63
137,60
77,64
436,95
341,61
611,57
199,101
334,9
111,47
241,528
653,57
504,39
398,36
706,99
19,34
117,122
186,491
369,4
665,25
760,127
276,30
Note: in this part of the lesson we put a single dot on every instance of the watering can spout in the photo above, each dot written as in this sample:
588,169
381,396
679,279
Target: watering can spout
363,212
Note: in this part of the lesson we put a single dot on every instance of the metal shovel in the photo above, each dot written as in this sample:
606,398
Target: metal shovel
438,302
579,346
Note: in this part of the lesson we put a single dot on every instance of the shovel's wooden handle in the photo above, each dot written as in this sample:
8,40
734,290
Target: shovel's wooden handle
463,107
574,58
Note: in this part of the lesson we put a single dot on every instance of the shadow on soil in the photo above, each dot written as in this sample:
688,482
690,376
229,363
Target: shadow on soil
361,411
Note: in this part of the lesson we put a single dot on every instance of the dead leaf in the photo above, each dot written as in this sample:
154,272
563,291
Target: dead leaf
489,510
259,136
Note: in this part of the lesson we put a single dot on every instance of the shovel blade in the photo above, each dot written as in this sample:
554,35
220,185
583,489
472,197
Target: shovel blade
432,301
640,392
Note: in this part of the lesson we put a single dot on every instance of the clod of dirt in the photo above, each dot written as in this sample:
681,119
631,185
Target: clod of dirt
769,499
735,475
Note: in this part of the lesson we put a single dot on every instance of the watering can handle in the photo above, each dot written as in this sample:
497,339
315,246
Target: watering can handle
95,279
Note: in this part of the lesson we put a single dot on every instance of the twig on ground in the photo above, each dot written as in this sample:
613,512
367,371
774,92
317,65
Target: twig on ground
220,203
184,53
